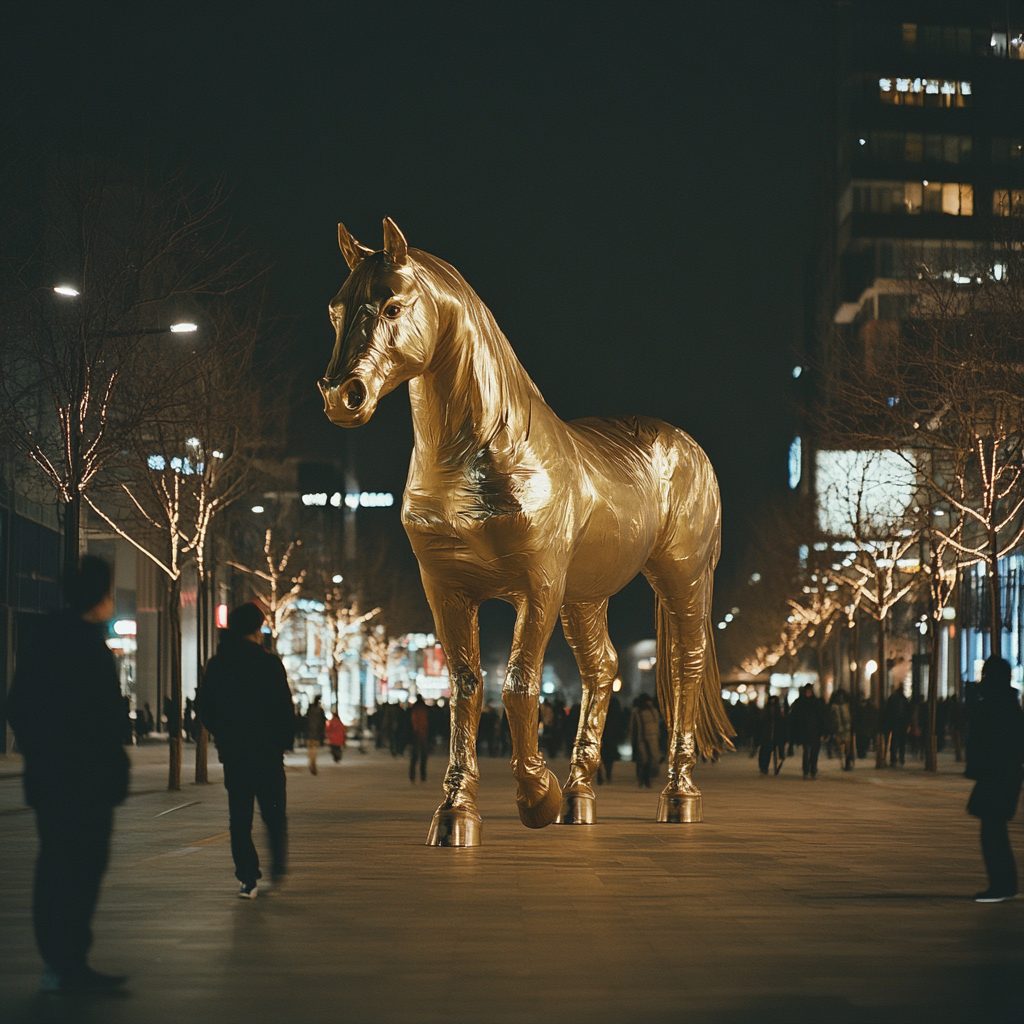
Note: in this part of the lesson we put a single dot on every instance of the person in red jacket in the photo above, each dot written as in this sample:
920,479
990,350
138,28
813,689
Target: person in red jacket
336,734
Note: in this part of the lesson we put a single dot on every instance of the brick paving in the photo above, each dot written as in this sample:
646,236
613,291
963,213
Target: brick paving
841,900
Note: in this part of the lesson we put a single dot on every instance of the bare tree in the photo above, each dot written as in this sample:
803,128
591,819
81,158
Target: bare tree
100,265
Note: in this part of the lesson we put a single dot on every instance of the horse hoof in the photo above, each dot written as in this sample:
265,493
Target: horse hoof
677,808
577,809
454,826
545,811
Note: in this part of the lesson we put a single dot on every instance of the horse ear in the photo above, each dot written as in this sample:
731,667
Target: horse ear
396,250
353,251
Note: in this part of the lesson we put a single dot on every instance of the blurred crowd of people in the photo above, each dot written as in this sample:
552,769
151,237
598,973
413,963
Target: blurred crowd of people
847,727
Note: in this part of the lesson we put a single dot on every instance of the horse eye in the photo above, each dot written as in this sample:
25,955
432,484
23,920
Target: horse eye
393,312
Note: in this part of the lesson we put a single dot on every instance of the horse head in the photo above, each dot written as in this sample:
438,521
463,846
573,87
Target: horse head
385,322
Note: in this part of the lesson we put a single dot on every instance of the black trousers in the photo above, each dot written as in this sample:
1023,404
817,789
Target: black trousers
999,862
898,746
420,749
764,754
265,784
811,750
74,845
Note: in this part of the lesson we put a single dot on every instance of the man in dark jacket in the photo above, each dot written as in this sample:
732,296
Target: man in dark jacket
995,755
808,723
895,723
246,704
66,711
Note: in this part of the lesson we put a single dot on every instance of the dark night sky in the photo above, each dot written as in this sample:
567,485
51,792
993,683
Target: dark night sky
629,187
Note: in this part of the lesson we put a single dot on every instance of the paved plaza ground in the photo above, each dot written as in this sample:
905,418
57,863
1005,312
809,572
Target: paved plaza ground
845,899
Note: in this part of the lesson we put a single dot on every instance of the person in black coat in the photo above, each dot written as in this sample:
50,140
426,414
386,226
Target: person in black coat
995,760
808,723
66,711
771,735
246,704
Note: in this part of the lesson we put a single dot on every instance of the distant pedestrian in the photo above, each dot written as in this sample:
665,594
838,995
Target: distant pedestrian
246,705
808,723
895,723
66,711
643,734
316,723
841,724
771,736
419,737
610,740
336,734
995,760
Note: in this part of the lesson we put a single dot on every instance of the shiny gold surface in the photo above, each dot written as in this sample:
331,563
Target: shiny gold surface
504,500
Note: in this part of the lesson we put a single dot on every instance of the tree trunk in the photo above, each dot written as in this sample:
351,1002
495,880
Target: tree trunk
202,654
931,750
72,512
174,707
879,695
996,619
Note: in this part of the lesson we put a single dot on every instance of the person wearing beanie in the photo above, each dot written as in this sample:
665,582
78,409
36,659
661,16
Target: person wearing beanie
995,760
66,710
246,704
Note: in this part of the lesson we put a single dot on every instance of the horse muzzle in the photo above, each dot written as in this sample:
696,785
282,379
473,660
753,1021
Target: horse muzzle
349,404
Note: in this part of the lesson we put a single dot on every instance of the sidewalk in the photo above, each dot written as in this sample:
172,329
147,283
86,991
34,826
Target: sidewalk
839,900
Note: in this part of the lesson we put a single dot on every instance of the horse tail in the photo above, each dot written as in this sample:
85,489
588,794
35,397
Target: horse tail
713,731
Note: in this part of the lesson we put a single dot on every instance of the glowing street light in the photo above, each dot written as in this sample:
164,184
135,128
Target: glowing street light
67,291
184,328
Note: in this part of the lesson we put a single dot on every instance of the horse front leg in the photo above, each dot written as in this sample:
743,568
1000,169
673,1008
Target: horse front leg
586,631
457,822
538,795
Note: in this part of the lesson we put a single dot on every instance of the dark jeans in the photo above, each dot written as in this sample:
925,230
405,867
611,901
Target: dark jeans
420,749
811,751
264,783
898,746
74,844
999,862
764,754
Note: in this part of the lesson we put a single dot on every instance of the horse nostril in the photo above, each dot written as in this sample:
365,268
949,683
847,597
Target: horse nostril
355,395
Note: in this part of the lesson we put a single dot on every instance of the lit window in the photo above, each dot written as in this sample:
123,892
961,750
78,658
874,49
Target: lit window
1017,46
1008,202
926,92
157,462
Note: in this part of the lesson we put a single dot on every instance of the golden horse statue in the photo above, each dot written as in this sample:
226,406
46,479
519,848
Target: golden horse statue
504,500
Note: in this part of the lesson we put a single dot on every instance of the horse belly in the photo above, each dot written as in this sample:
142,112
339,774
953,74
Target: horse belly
611,552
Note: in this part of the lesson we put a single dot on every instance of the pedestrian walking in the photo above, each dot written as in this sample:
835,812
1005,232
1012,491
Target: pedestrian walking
336,734
643,735
841,723
66,712
610,740
895,723
771,736
995,760
419,736
246,705
808,723
316,724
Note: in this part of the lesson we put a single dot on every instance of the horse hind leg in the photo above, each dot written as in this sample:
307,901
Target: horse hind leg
586,631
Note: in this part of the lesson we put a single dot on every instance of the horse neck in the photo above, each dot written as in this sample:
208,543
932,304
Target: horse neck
475,394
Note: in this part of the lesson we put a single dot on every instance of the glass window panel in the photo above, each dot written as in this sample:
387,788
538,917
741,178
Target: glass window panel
933,148
998,44
913,148
1000,151
951,149
1017,152
932,197
966,149
1016,44
966,200
963,40
949,38
912,192
910,38
933,37
1001,203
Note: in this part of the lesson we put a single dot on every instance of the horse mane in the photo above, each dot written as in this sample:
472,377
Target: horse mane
487,379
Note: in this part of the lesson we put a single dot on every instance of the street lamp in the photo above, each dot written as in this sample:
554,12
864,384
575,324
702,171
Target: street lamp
67,291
